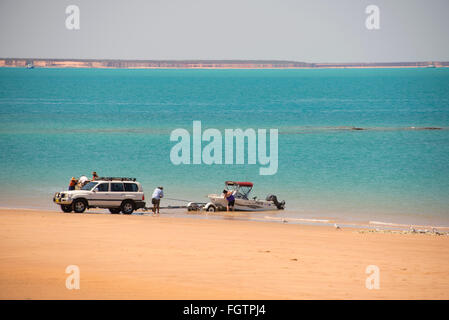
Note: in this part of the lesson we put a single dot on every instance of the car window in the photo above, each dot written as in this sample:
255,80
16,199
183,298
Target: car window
102,187
117,186
89,186
131,187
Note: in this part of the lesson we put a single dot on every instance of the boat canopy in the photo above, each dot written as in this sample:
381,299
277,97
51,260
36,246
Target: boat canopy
240,183
242,189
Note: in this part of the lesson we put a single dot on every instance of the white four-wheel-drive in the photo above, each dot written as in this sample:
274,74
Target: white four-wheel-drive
116,194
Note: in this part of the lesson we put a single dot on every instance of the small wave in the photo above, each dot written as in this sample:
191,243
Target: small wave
391,224
298,219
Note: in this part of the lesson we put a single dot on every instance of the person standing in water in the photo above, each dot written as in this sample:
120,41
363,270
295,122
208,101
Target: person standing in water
229,196
158,193
94,176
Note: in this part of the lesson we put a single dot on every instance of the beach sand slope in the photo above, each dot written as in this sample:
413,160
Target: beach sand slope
144,257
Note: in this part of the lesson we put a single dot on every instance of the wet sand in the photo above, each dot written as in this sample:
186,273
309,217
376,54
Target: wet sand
145,257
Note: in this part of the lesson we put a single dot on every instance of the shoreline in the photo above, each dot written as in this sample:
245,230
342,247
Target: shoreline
263,216
141,257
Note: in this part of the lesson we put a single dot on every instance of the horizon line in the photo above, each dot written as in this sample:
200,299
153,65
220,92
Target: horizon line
222,60
206,64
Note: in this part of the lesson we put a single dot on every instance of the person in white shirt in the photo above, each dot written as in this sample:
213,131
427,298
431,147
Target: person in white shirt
82,181
158,193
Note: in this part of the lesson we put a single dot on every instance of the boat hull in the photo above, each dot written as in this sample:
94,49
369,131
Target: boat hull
243,204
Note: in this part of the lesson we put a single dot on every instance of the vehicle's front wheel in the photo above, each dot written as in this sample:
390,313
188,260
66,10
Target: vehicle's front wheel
114,210
66,208
79,206
127,207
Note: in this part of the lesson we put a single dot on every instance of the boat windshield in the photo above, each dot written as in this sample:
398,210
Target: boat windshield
242,192
245,190
89,186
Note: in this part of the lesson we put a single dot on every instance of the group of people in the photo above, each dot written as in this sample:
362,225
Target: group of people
158,193
79,183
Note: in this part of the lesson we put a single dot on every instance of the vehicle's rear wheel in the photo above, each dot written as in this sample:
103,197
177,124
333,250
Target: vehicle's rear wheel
212,209
66,208
127,207
79,205
114,210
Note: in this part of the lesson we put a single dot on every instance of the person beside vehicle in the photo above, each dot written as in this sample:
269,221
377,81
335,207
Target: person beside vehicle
229,196
158,193
72,183
94,176
82,181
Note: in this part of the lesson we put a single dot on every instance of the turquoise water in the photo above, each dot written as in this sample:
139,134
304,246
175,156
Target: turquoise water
59,123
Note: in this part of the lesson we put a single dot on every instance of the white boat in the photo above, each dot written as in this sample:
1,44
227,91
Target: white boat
241,192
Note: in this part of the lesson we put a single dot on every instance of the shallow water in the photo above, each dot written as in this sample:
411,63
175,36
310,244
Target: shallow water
58,123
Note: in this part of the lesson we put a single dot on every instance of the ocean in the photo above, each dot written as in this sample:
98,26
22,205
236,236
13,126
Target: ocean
59,123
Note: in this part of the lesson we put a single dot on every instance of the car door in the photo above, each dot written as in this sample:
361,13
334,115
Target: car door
101,195
131,190
117,194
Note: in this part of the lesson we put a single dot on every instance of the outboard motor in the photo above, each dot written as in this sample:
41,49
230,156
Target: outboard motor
279,205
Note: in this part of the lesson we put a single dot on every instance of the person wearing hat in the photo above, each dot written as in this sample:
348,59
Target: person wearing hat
158,193
72,183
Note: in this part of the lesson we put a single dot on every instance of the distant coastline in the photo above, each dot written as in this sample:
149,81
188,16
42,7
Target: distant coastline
205,64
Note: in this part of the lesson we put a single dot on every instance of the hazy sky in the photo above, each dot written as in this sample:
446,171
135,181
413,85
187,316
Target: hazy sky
310,31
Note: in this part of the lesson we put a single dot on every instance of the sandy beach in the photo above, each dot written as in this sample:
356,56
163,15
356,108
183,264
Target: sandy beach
145,257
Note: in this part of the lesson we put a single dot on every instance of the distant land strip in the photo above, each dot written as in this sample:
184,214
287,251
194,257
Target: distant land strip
204,64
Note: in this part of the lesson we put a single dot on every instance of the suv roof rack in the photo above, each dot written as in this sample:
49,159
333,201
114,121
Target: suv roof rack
116,178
